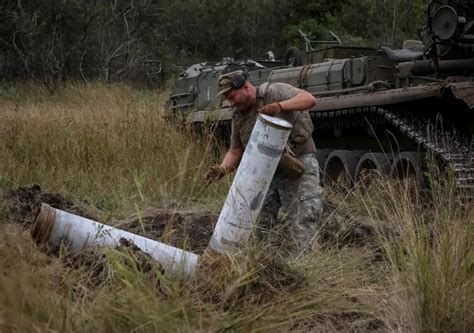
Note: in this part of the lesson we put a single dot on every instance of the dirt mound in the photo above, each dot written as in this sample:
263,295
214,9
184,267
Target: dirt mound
189,230
22,204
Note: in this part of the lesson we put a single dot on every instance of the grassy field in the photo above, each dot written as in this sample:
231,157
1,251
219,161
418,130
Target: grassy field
389,259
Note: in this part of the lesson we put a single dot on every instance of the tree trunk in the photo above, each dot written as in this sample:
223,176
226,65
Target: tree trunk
380,12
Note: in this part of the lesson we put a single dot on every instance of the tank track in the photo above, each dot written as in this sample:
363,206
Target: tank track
450,147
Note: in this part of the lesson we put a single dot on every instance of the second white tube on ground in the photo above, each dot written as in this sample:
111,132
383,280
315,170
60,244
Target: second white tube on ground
56,226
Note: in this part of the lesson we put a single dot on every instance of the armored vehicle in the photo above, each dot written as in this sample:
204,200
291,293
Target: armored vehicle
385,110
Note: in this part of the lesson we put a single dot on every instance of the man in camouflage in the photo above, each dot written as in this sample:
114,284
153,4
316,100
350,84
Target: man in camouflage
294,199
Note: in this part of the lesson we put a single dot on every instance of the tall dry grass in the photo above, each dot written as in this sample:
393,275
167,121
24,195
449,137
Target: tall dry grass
108,145
428,241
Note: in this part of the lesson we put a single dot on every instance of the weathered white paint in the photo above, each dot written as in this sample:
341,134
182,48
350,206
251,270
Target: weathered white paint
251,182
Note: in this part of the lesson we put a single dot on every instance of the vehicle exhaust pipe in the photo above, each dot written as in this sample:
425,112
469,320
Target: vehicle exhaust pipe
428,67
54,227
251,182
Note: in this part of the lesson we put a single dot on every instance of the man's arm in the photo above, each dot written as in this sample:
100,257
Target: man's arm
230,162
303,100
232,159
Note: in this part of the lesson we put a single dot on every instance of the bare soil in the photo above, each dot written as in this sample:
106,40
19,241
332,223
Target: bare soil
22,204
186,229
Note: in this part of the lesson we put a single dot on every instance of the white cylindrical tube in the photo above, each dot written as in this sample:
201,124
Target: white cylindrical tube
251,182
55,226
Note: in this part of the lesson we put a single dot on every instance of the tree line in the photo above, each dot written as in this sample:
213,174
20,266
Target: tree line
53,41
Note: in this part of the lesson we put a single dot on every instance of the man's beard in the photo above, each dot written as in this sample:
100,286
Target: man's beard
245,106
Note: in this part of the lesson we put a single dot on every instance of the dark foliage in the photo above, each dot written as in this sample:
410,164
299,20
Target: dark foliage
51,41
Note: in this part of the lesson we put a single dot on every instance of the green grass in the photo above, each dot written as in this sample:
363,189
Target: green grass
108,147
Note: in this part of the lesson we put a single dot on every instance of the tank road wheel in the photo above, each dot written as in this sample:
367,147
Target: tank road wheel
371,166
321,157
339,169
407,166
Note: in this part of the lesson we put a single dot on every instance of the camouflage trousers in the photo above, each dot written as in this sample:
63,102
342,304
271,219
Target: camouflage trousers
297,203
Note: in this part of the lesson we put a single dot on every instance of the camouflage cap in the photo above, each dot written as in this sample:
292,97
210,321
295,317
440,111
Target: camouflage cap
232,80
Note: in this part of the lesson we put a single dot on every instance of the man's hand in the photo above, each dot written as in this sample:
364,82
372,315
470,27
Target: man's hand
271,109
214,173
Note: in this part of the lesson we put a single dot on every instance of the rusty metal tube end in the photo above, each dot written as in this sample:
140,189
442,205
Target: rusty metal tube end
44,223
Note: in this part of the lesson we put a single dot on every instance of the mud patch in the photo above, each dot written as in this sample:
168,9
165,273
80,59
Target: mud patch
189,230
22,204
